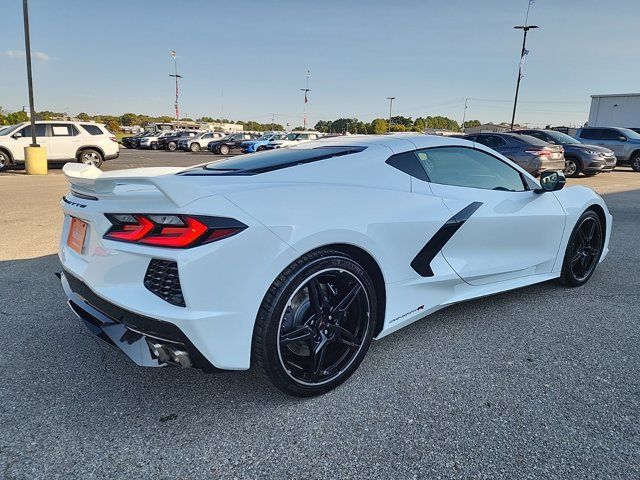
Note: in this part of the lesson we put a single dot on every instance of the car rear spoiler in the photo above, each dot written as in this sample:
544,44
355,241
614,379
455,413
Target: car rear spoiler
90,180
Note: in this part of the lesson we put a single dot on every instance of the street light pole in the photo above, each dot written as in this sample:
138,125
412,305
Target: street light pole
464,114
523,53
306,100
27,46
391,99
175,74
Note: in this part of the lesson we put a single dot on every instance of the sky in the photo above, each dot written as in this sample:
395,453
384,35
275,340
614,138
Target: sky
247,60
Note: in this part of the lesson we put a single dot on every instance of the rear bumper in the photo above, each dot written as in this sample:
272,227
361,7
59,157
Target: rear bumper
112,156
130,332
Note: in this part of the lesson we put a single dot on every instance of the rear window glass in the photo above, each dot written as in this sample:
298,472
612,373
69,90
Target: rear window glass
92,129
271,160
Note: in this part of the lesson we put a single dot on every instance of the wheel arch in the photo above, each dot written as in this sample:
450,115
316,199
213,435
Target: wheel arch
371,266
89,147
601,215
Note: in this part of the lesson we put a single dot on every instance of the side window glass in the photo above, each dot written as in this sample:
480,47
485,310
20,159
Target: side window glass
590,134
467,167
41,131
491,141
61,130
609,134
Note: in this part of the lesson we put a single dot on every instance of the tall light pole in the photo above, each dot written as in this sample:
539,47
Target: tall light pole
27,47
464,113
391,99
525,28
175,74
306,100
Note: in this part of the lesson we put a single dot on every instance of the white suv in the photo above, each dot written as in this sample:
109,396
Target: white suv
151,140
86,142
293,138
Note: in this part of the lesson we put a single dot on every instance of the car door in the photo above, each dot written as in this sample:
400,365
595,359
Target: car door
503,229
22,138
613,140
64,141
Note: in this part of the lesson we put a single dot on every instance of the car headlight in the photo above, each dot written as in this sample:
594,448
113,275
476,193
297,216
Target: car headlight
592,152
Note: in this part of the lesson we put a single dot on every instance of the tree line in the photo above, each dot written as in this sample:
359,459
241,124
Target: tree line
340,125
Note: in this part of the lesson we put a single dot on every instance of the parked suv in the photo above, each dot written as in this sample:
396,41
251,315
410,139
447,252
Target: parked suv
624,142
198,142
230,142
293,138
578,157
260,143
84,142
150,141
532,154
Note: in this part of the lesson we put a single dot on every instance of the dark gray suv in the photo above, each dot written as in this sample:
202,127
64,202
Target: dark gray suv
624,142
578,157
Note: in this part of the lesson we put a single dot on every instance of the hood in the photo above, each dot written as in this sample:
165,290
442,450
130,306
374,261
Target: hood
586,146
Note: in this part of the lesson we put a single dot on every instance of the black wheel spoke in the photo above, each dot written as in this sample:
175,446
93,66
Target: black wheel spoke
346,301
316,297
590,231
316,359
344,336
299,334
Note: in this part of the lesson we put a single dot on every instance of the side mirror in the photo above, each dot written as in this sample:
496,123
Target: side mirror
551,181
17,135
622,138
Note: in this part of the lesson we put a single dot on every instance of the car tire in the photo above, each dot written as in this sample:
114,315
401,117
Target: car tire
304,353
583,250
260,148
572,167
154,145
194,147
224,150
4,160
172,146
90,157
635,162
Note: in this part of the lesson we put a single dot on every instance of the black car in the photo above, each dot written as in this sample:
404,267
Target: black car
129,142
229,143
171,142
578,157
532,154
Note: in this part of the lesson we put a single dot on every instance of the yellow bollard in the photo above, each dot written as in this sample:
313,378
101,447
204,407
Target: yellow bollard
35,160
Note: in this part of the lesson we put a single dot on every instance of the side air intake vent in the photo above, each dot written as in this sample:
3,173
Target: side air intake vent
162,279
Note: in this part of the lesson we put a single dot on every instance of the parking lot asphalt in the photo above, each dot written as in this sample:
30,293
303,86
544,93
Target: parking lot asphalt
541,382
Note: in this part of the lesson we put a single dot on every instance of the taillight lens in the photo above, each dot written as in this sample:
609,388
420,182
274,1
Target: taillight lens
540,153
113,139
170,231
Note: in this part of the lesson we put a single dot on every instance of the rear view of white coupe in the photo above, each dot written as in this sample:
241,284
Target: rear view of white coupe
292,260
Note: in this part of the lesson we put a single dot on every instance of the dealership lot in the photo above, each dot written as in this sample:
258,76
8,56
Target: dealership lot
539,382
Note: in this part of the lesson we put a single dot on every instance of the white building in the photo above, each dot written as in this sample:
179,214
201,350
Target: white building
616,110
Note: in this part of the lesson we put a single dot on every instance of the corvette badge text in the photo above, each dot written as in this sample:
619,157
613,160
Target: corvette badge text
421,307
79,205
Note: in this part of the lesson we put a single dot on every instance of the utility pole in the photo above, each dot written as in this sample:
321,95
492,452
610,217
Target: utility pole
306,100
523,53
391,99
27,46
175,74
464,113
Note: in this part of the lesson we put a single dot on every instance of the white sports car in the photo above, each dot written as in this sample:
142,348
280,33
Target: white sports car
293,260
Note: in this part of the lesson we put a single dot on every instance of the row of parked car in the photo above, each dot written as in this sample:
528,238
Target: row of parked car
592,151
216,142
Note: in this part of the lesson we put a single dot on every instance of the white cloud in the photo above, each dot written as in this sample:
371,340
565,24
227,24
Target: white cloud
41,56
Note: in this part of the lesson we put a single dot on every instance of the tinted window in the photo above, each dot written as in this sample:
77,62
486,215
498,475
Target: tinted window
272,160
491,141
467,167
63,130
92,129
539,135
590,133
41,130
609,134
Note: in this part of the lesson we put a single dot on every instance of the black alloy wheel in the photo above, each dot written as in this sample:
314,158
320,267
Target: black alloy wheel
635,162
315,324
583,250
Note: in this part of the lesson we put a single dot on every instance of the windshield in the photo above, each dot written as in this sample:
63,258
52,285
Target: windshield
7,129
562,138
630,133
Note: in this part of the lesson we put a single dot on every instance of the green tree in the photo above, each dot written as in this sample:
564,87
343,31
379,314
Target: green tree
3,120
113,125
472,123
379,126
129,119
83,117
17,117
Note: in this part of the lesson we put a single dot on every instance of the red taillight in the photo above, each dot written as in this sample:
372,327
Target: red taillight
540,153
113,139
171,231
